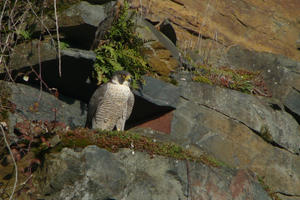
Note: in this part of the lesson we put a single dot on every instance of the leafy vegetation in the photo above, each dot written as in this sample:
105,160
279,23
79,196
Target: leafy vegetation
63,45
121,49
25,34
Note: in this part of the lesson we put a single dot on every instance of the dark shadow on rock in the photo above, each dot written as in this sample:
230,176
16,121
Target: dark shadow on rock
72,83
167,29
80,36
144,111
99,2
152,22
275,106
293,114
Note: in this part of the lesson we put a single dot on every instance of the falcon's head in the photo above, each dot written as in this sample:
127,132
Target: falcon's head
121,78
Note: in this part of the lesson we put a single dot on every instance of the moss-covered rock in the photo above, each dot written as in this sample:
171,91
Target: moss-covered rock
95,173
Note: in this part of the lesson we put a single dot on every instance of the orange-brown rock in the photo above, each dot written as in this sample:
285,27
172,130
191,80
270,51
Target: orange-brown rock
160,59
269,26
161,124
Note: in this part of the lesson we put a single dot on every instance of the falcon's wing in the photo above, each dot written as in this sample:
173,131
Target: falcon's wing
130,103
95,101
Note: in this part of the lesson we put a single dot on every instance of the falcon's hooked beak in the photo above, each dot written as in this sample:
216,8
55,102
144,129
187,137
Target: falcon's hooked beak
128,78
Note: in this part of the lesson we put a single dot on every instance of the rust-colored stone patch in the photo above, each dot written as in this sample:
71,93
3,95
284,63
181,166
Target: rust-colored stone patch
161,124
240,184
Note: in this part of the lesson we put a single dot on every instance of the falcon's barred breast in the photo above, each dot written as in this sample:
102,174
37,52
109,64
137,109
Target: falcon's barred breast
111,104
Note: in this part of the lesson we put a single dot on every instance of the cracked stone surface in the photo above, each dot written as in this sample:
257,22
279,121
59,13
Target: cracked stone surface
95,173
250,110
215,120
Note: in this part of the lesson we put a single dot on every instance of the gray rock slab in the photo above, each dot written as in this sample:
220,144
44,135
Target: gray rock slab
95,173
292,101
70,111
79,23
79,54
281,74
159,92
91,174
250,110
32,53
89,13
200,128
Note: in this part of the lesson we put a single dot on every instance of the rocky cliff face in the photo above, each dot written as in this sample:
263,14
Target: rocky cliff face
264,26
94,173
256,137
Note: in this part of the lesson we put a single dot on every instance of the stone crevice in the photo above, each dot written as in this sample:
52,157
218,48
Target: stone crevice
295,72
293,114
296,89
196,33
287,195
240,21
177,2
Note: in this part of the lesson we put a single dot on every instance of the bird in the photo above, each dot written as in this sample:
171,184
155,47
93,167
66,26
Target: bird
111,104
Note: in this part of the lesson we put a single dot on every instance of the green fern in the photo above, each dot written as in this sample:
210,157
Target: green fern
122,50
26,35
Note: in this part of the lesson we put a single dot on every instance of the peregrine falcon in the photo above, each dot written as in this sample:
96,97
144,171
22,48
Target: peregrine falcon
111,104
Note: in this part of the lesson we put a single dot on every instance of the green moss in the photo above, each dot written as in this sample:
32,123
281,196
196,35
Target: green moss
121,49
217,162
72,143
202,79
114,140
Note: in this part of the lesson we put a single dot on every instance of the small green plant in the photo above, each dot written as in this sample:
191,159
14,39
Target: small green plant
121,50
63,45
25,34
